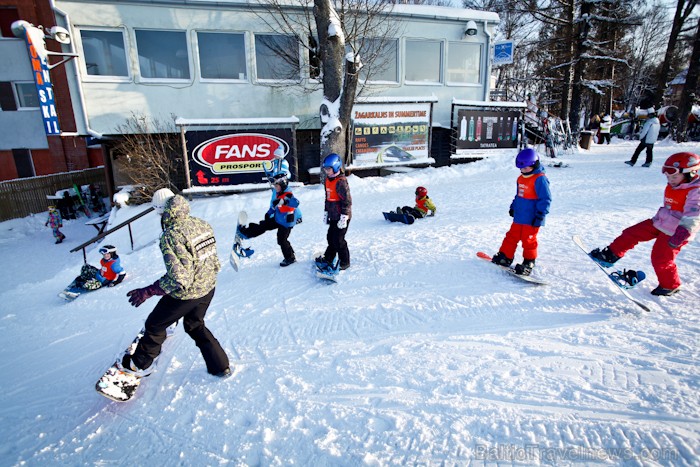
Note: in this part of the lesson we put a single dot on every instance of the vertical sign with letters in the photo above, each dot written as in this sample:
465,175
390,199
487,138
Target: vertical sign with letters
44,88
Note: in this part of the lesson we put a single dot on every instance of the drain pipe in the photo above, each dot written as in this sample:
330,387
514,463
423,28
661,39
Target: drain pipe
487,81
76,75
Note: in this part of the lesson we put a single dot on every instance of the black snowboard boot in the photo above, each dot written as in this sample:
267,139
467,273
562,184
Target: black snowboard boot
287,262
661,292
501,259
604,257
526,268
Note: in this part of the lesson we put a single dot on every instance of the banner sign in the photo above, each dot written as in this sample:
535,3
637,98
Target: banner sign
44,88
486,129
502,53
390,132
227,157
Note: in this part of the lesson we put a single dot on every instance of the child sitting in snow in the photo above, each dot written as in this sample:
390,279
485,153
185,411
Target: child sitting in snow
528,210
424,205
56,222
673,226
111,272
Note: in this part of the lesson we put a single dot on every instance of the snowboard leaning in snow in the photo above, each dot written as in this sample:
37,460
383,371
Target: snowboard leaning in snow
511,271
72,292
394,217
119,385
619,278
238,250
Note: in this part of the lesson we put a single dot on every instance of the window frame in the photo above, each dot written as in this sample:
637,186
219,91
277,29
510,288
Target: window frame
190,70
86,77
18,102
246,60
481,65
441,66
300,62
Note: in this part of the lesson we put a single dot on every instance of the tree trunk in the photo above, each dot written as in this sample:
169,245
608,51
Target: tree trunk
691,84
678,20
581,48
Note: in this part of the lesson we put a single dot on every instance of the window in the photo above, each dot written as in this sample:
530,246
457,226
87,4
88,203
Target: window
23,163
104,53
7,96
464,63
8,15
27,96
163,54
221,55
276,57
423,61
381,60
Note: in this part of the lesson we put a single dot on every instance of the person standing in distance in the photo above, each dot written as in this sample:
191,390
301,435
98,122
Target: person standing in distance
187,288
647,138
337,212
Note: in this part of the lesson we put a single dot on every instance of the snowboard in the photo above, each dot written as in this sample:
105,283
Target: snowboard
511,271
327,272
119,385
394,217
614,276
80,199
238,250
74,291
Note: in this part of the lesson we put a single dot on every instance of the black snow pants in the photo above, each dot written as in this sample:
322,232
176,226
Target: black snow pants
267,224
169,310
337,245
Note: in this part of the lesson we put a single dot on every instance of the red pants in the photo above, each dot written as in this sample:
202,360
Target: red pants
663,257
526,234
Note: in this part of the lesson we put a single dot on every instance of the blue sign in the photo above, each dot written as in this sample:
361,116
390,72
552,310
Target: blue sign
44,88
503,53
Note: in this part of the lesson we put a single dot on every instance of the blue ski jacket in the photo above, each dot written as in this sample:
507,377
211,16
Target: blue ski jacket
531,203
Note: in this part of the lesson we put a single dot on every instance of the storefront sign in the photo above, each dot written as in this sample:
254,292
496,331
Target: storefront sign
390,133
225,157
44,88
485,129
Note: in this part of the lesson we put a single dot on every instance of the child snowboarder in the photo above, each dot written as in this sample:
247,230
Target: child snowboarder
283,215
528,210
56,222
337,213
673,226
111,273
279,167
424,205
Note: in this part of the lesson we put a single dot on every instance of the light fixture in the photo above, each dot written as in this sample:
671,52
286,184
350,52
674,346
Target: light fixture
471,29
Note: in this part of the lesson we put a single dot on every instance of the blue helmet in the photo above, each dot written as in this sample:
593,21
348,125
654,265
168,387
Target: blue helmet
333,161
526,158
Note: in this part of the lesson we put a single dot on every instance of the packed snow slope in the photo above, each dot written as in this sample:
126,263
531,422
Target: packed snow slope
422,354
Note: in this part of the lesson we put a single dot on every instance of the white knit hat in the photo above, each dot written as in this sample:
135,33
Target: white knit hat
159,199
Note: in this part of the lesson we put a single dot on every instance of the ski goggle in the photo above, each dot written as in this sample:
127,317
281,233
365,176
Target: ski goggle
104,251
667,170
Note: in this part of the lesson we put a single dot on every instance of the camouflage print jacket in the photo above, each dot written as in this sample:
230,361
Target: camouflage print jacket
189,252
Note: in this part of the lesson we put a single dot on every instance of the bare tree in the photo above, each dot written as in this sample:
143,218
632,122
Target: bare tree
153,153
345,42
688,96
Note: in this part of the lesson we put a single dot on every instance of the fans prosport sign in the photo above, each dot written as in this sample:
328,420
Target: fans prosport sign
224,157
239,153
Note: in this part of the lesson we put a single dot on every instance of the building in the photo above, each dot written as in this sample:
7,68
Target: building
212,63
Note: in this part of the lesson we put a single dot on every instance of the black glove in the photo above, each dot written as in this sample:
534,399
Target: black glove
511,212
138,296
290,217
538,221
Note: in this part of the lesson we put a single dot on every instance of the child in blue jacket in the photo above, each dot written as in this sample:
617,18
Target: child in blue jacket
528,210
283,215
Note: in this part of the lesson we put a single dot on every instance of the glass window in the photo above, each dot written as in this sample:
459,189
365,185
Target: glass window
464,63
163,54
8,15
423,61
104,53
23,163
221,55
277,57
27,96
381,60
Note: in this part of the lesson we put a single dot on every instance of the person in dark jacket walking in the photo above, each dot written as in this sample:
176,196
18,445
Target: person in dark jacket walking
337,212
187,288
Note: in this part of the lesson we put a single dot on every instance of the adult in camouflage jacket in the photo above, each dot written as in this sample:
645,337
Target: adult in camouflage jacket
187,288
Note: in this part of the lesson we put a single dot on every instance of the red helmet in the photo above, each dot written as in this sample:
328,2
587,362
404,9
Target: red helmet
421,192
683,162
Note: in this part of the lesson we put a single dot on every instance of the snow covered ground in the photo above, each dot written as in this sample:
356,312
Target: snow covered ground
422,354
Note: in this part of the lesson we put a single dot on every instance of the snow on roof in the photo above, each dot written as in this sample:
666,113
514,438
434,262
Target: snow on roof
234,121
489,103
372,100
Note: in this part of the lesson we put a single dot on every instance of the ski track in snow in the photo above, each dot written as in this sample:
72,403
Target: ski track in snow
420,354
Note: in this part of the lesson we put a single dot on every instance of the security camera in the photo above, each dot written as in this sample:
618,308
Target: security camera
471,28
60,34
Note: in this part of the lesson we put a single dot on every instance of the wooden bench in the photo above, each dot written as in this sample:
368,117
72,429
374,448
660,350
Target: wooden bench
99,223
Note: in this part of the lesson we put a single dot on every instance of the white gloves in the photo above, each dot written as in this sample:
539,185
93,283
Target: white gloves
343,222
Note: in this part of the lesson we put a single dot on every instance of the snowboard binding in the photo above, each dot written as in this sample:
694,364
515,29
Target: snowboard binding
242,252
627,278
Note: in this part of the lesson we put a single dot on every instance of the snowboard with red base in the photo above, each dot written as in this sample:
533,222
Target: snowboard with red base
511,271
617,277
